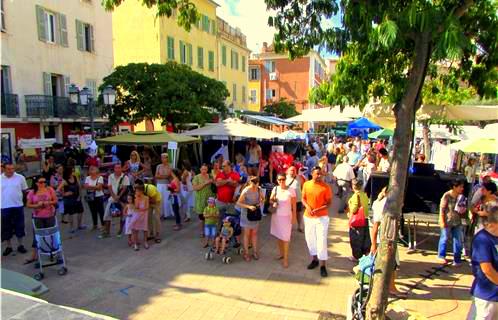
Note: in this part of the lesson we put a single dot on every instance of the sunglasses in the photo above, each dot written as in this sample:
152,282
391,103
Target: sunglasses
281,179
41,181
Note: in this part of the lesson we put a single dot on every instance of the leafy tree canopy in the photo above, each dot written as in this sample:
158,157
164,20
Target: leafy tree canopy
282,108
168,91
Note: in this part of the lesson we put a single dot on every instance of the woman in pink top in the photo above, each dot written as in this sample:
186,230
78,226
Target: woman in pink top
284,198
42,200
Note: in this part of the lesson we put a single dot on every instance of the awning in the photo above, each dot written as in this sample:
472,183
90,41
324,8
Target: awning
233,127
332,114
148,138
269,119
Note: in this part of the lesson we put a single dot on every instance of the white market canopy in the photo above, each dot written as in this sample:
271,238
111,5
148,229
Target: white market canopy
327,114
232,127
383,115
292,135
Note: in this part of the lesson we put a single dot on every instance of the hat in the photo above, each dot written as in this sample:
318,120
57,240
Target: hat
211,200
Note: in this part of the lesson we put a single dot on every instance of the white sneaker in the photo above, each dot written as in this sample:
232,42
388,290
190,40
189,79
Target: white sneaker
456,264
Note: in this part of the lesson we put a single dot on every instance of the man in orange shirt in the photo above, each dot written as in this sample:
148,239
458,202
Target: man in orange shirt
317,198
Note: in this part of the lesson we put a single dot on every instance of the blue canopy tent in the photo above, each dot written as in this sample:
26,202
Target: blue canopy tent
361,127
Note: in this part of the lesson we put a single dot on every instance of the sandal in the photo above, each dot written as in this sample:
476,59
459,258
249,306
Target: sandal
136,248
157,240
255,256
28,261
247,258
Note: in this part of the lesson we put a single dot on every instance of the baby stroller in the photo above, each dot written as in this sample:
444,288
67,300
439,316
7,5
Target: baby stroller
358,301
49,245
231,245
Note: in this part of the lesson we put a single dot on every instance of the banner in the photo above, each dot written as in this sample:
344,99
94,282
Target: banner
36,143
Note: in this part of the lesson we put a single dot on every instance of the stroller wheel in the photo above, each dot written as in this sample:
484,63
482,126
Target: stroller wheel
228,260
224,259
240,251
62,271
38,276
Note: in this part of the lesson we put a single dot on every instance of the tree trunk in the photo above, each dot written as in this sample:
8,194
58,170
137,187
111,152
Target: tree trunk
404,112
427,143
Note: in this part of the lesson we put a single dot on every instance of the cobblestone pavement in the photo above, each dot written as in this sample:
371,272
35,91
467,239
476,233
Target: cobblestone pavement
172,280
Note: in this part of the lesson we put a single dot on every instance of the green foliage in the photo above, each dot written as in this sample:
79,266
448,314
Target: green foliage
282,108
187,12
171,92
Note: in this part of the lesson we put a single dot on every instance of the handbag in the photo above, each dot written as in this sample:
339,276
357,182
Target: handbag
254,215
90,196
358,219
272,208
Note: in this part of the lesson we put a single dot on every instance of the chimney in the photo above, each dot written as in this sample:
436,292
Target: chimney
265,47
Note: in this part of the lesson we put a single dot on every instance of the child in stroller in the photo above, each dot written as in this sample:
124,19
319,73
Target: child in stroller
226,242
224,237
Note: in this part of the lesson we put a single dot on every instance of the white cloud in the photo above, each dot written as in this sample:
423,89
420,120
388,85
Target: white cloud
252,19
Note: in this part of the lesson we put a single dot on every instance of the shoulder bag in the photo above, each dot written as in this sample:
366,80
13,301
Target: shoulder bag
272,208
358,219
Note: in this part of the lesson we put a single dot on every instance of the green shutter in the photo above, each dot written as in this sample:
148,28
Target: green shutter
63,29
243,63
40,22
224,55
80,36
171,48
47,84
92,40
243,94
200,58
213,27
182,52
236,61
190,54
211,61
205,23
231,59
234,93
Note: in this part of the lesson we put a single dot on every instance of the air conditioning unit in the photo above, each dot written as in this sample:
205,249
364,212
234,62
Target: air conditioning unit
273,76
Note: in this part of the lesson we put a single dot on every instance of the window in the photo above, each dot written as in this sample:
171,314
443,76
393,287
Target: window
84,36
243,63
205,23
213,27
253,98
52,26
200,57
6,80
3,15
253,74
270,66
234,92
183,52
211,60
234,60
55,84
243,94
224,55
190,54
271,93
171,48
92,85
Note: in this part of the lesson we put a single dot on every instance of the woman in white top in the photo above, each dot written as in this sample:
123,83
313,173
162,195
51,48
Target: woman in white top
384,164
163,178
295,182
94,184
254,153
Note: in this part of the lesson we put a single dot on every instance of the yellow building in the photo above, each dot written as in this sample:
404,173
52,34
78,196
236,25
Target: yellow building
233,60
211,47
254,75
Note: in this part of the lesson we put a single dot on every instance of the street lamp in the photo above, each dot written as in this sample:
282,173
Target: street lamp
109,95
74,92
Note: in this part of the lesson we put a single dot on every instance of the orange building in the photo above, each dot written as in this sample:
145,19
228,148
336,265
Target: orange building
280,77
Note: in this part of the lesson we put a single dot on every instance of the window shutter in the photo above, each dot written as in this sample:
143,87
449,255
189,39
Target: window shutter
47,84
236,60
243,64
200,57
171,48
190,54
62,29
40,22
234,92
224,55
182,52
67,83
92,40
243,94
211,60
79,35
267,66
231,59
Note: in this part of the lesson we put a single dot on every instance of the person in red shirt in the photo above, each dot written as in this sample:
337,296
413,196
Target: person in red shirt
226,182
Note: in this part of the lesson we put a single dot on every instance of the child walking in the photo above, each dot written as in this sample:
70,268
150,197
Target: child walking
140,217
211,214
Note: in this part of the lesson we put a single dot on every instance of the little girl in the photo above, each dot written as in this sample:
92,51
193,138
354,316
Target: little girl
128,213
187,195
140,217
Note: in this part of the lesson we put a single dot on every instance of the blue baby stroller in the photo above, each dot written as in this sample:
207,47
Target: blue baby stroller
49,247
232,245
358,301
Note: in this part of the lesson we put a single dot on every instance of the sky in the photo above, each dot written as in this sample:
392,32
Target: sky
252,18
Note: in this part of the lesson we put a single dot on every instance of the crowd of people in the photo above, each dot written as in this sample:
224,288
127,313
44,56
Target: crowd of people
139,194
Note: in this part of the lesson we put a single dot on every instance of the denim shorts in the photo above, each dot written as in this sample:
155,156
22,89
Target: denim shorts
210,231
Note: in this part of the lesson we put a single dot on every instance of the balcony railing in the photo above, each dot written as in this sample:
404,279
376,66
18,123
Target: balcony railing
10,105
44,106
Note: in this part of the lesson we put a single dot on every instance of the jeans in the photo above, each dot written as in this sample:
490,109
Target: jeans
456,233
175,204
97,209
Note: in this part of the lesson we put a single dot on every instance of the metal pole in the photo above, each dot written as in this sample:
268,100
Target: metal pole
90,110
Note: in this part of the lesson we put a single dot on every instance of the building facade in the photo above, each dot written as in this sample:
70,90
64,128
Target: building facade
212,47
46,46
255,87
281,78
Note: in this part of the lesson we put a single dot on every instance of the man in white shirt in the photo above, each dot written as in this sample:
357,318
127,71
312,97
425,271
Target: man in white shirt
118,187
13,186
384,164
344,174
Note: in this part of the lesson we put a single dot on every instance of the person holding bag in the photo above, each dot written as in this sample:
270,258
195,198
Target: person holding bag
250,201
94,184
284,217
359,236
